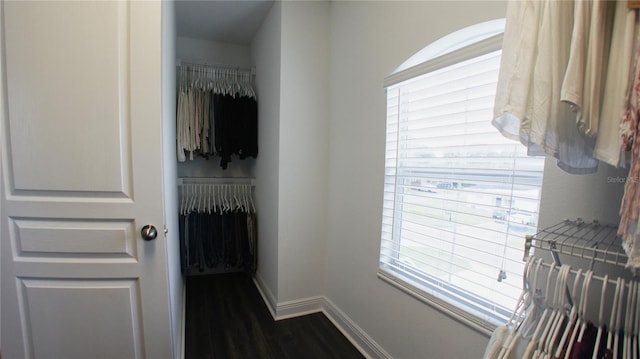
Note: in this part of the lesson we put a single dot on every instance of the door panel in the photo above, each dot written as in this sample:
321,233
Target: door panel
77,304
73,239
43,41
81,175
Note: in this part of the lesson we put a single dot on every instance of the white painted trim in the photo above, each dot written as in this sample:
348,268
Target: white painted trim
356,335
267,297
183,324
295,308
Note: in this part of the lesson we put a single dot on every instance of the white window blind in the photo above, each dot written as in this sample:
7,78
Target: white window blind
458,196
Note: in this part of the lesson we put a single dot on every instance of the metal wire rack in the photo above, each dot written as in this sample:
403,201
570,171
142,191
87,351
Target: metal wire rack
591,241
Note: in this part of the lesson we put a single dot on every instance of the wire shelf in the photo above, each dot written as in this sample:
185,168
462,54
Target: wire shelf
592,241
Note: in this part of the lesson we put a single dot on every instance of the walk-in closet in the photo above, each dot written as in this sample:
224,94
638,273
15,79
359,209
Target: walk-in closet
231,152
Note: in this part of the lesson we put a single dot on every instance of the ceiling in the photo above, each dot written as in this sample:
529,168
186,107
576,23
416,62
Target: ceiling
230,21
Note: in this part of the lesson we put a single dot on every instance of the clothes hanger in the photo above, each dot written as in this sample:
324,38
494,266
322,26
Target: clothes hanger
181,209
519,313
190,204
237,197
246,194
208,197
580,326
245,201
215,198
561,314
619,322
558,309
546,314
537,299
601,324
572,318
237,204
220,197
626,353
228,198
551,321
615,310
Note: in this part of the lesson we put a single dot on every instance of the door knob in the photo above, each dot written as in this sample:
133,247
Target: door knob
149,232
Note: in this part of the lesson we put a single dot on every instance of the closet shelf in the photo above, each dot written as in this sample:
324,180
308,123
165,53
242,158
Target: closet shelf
593,241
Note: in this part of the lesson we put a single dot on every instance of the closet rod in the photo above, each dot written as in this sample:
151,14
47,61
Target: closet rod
252,70
216,180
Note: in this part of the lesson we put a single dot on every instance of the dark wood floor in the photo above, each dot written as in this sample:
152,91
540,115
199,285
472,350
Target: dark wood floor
226,318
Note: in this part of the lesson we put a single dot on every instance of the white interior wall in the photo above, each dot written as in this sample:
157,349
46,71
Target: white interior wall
594,196
367,43
212,52
369,40
265,50
303,152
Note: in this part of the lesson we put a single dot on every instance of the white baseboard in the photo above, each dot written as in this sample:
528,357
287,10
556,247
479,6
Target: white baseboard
183,324
358,337
297,308
267,297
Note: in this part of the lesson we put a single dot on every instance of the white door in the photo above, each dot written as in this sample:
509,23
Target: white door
81,176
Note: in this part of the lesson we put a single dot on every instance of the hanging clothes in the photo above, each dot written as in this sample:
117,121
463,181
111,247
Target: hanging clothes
236,127
585,74
527,107
217,224
630,138
217,114
564,79
620,70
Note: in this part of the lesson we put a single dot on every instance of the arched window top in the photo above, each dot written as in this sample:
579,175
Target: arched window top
450,48
455,41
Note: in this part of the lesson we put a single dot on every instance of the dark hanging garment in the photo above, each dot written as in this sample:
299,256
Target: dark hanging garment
223,110
252,238
235,127
248,128
184,253
212,123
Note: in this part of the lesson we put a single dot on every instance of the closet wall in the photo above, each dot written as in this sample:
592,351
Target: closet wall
290,54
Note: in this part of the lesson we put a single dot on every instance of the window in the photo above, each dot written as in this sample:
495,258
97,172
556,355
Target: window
459,197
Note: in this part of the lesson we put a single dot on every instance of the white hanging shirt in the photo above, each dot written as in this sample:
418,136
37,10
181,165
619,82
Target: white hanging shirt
587,69
534,61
